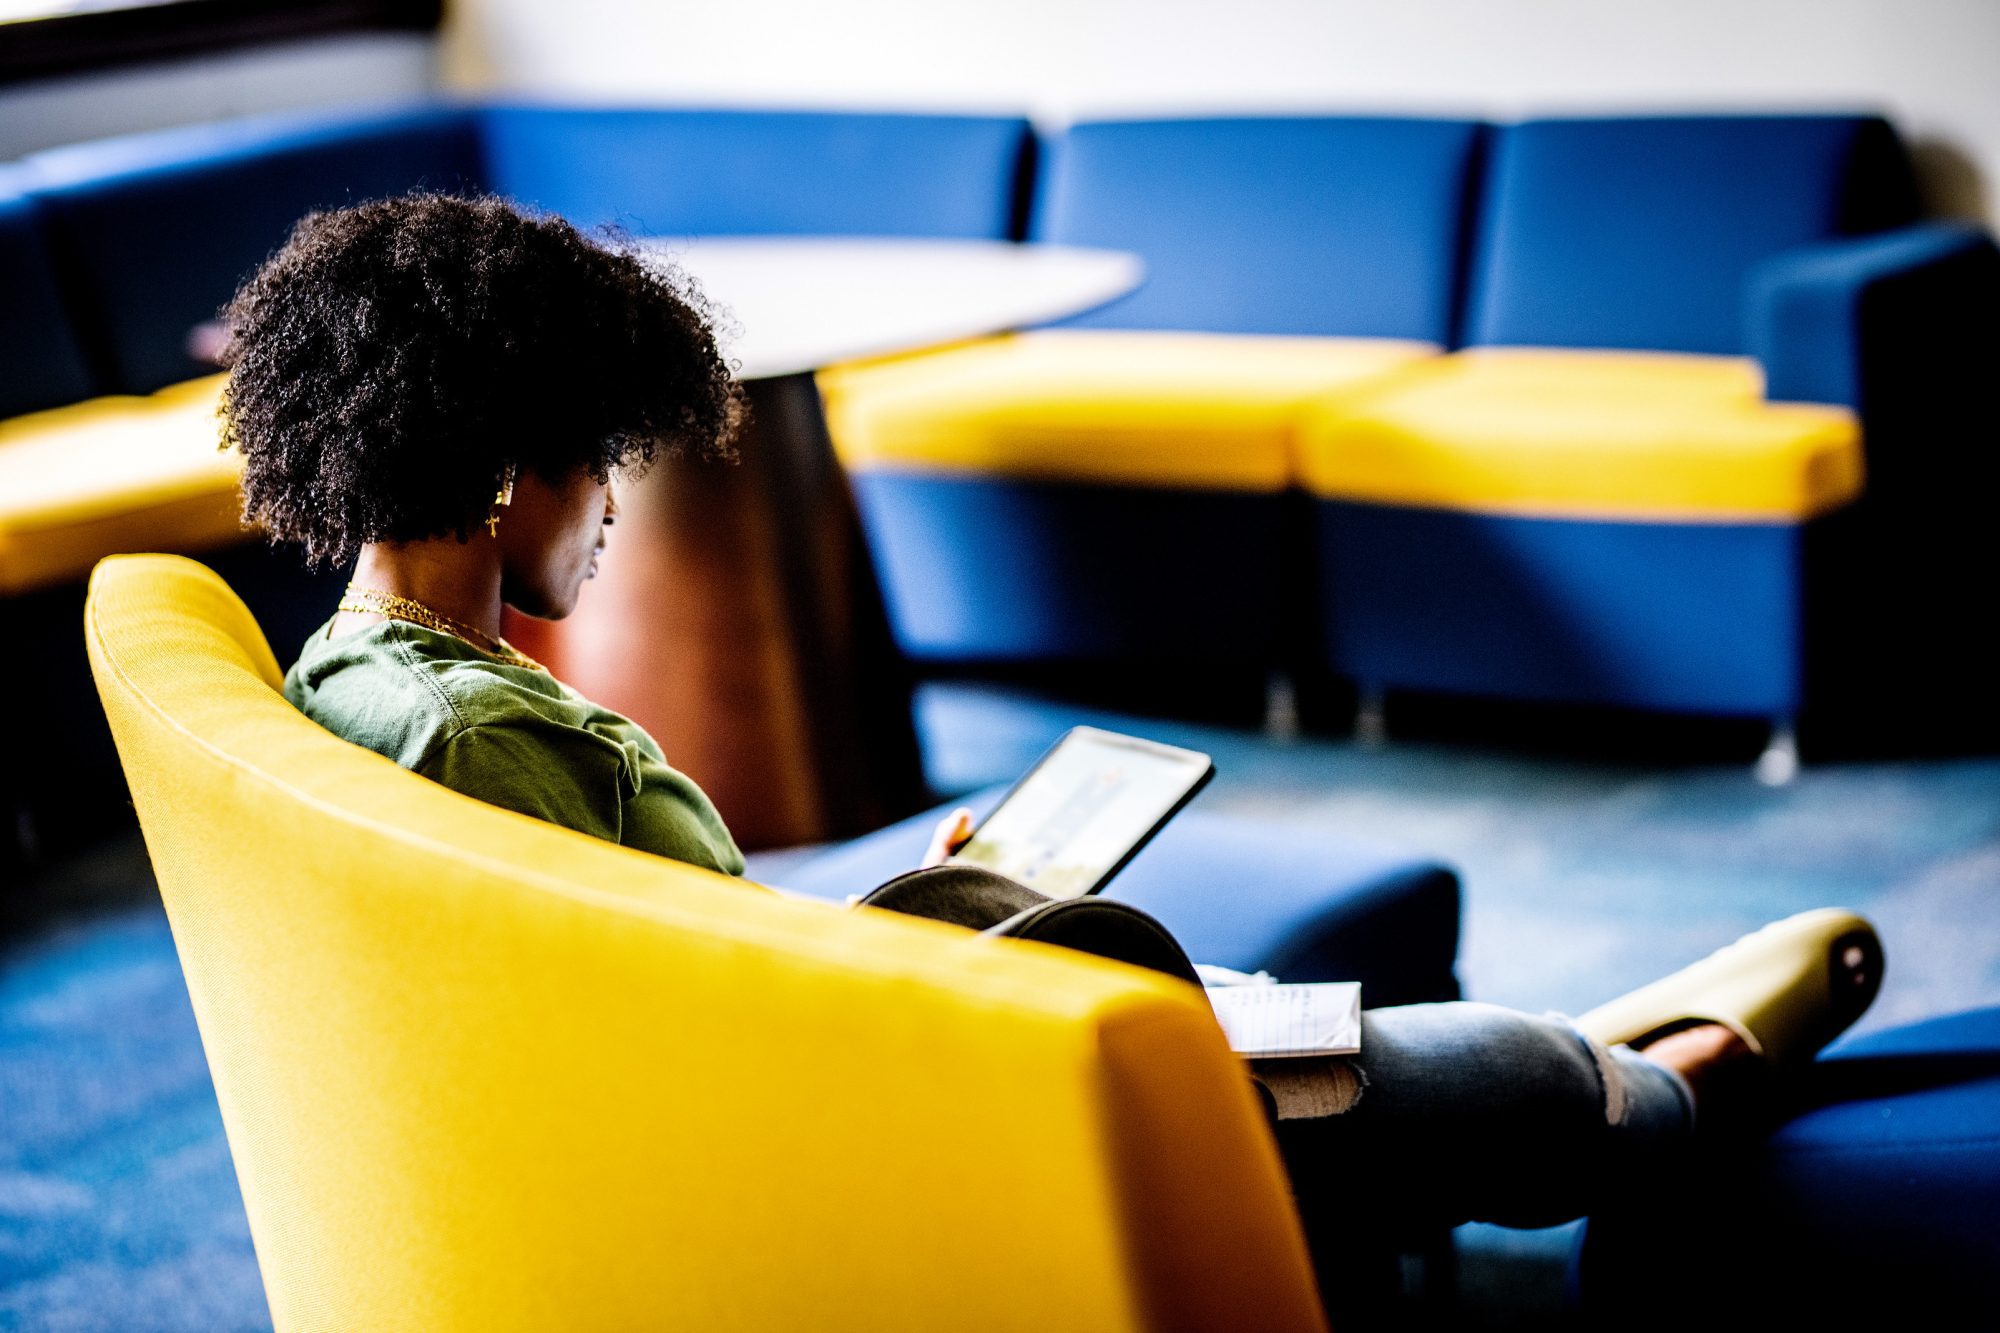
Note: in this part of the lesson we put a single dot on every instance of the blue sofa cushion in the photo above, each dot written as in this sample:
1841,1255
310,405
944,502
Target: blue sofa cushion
153,232
1315,225
1241,893
1640,232
1881,1197
688,172
44,364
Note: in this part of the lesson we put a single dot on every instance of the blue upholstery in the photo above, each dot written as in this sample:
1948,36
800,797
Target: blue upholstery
689,172
1742,235
1691,617
1810,310
152,232
1312,225
44,367
1329,226
1882,1197
1640,231
1002,570
1242,894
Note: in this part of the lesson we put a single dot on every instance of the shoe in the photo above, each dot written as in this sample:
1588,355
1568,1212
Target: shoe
1787,989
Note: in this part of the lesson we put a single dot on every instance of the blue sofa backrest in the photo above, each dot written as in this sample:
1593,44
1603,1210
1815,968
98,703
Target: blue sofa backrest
152,232
41,364
679,172
1639,232
1309,225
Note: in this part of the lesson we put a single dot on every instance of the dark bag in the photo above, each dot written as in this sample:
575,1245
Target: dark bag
992,904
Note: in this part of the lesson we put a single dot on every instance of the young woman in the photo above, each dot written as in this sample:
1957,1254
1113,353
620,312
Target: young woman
442,390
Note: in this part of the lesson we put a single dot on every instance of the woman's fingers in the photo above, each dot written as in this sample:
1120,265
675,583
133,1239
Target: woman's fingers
950,836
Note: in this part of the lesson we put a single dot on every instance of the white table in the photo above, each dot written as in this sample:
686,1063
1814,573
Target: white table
735,614
799,303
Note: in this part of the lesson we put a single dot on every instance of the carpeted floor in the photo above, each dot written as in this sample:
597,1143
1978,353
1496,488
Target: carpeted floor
118,1208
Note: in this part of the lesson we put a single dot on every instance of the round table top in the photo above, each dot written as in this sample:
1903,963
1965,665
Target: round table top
791,304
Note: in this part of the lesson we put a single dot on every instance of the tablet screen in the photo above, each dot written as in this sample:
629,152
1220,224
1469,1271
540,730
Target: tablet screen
1082,811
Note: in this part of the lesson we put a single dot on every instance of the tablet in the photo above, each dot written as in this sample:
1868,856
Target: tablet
1084,810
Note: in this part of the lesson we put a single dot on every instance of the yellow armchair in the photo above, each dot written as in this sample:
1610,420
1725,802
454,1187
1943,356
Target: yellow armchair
480,1072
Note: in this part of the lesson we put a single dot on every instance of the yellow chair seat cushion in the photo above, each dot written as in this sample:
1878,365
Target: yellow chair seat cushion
1193,410
1631,436
115,474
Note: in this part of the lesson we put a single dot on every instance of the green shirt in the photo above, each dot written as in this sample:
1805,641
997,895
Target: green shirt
508,735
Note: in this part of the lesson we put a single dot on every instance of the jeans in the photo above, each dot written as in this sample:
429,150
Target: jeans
1469,1112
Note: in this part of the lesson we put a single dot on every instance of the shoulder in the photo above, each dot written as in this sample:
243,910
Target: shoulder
368,688
406,692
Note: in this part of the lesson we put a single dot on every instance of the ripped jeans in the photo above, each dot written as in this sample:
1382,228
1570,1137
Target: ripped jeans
1469,1112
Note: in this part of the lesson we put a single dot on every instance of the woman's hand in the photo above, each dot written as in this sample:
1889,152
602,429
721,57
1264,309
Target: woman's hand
951,835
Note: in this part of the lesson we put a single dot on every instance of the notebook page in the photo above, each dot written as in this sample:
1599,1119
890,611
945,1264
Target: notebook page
1313,1018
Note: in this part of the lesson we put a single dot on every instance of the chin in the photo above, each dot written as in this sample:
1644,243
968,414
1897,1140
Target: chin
540,605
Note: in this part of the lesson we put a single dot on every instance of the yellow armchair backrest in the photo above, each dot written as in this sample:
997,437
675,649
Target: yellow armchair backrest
479,1072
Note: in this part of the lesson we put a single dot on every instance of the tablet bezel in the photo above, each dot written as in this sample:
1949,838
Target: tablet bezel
1120,738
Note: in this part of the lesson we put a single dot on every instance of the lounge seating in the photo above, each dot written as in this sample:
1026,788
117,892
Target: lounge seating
1116,490
1698,450
1678,510
480,1072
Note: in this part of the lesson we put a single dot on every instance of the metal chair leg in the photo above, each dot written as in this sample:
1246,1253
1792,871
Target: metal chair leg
1281,708
1779,763
1371,717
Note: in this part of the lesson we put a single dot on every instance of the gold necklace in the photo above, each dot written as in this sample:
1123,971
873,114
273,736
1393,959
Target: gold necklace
373,601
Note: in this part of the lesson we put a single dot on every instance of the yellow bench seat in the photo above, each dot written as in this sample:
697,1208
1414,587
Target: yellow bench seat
115,474
1617,436
1188,410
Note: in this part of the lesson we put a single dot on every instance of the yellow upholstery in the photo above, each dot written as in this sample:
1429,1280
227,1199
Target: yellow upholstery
480,1072
114,474
1195,410
1580,434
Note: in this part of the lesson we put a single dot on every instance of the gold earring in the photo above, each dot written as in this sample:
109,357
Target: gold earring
501,499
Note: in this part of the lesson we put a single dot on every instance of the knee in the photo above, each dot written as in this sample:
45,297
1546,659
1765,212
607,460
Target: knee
1517,1065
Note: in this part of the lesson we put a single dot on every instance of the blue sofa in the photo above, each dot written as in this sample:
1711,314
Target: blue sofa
1132,502
152,232
1751,549
1680,430
1241,463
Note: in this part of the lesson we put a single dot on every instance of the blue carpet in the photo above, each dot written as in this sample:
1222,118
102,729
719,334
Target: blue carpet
119,1210
118,1204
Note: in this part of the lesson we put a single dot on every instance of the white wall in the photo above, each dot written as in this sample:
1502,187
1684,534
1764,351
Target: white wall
1932,65
317,72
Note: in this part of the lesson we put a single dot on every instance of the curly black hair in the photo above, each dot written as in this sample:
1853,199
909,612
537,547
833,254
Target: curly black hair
391,359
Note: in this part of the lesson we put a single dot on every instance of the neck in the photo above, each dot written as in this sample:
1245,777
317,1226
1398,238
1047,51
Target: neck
459,580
